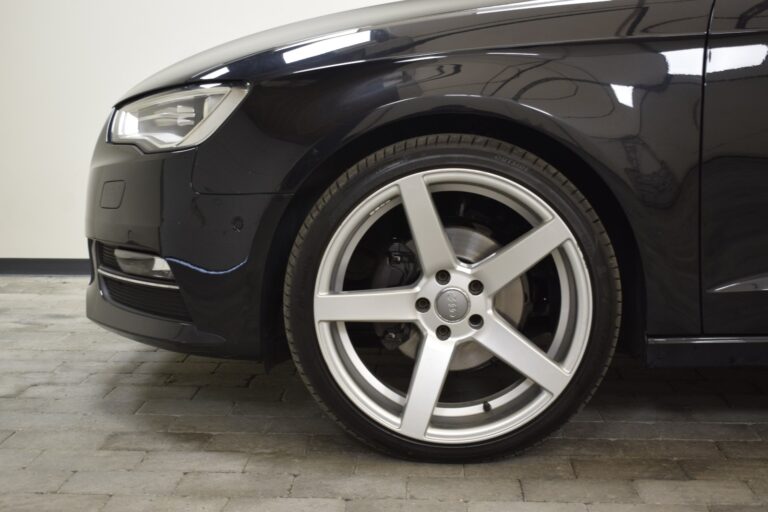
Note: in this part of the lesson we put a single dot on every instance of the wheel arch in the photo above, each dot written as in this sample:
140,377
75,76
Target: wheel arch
572,164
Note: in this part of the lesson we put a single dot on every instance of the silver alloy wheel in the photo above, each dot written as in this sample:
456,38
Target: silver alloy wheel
418,414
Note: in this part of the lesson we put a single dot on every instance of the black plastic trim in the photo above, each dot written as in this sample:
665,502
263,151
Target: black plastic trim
707,352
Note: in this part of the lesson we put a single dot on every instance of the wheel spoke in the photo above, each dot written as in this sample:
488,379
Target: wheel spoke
426,383
522,254
432,244
386,305
509,345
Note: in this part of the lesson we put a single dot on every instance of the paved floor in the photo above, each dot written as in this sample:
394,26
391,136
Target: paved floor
93,422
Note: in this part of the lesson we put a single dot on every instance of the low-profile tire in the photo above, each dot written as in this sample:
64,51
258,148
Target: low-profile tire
452,298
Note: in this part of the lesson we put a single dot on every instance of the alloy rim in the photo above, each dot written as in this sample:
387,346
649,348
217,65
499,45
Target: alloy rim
453,307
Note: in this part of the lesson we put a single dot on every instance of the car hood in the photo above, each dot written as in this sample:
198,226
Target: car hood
335,29
418,28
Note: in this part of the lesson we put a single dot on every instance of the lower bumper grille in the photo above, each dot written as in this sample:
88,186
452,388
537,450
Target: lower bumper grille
161,299
156,301
107,257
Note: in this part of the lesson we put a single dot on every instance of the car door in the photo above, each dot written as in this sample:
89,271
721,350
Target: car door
734,201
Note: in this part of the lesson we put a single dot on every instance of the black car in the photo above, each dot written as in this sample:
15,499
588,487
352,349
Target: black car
448,212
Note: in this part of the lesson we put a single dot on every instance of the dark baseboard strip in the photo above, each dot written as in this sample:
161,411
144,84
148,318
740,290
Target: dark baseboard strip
55,267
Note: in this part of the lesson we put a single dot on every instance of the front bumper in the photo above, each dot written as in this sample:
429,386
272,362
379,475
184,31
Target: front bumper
160,332
218,247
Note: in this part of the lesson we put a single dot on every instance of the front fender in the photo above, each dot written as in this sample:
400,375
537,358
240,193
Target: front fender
637,126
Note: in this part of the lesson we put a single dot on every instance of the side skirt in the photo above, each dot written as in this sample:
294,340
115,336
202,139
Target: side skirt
707,352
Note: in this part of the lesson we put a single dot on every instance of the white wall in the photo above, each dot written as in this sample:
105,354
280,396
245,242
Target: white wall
64,63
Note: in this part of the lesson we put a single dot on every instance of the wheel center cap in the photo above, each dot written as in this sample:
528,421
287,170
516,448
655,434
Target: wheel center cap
452,305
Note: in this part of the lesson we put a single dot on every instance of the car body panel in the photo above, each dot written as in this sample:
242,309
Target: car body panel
216,246
600,78
735,172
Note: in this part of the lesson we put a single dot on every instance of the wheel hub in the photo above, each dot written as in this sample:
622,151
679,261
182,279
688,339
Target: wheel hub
472,246
452,304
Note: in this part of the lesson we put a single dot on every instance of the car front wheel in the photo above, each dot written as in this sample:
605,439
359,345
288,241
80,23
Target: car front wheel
452,297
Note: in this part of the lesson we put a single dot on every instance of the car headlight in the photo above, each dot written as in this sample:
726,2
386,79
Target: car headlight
175,119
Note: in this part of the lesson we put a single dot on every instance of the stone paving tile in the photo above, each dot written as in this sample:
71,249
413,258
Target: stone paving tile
249,367
733,415
464,489
5,434
55,355
51,502
633,469
51,440
60,391
711,492
219,424
24,340
372,465
87,406
24,404
627,449
523,466
25,480
156,356
492,506
117,379
235,485
609,430
19,366
348,487
760,488
176,368
316,464
588,414
240,394
285,505
208,379
122,482
398,505
699,431
194,461
280,410
745,450
726,469
143,393
14,458
164,504
305,425
25,380
616,507
737,508
84,460
108,422
91,366
627,411
580,491
259,443
337,443
186,407
153,441
662,430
